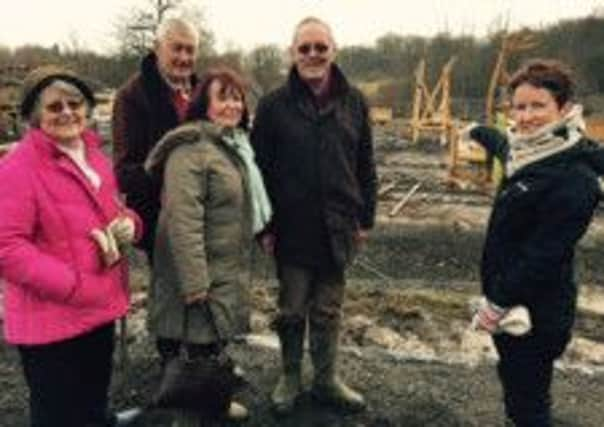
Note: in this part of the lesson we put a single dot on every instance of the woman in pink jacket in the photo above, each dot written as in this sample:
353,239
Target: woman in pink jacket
62,228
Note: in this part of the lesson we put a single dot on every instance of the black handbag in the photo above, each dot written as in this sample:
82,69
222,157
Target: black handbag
202,384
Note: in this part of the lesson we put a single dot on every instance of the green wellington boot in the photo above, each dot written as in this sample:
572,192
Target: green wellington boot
289,386
328,387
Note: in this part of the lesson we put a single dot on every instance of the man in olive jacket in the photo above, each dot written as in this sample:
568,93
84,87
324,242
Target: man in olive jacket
152,102
313,144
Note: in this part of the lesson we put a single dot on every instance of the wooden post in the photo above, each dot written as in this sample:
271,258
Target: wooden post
397,208
417,98
510,43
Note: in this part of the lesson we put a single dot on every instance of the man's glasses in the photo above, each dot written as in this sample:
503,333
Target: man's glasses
306,48
59,106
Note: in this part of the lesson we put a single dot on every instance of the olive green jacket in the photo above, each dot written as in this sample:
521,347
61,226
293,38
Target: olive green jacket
204,236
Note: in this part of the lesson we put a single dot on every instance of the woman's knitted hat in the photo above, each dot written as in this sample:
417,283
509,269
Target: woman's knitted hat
40,78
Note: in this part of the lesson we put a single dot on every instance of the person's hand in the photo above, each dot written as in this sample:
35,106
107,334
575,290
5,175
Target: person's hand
267,243
196,297
464,133
123,229
108,247
488,316
360,237
7,148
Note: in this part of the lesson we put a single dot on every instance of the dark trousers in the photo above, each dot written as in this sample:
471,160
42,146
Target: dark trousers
69,381
525,369
315,296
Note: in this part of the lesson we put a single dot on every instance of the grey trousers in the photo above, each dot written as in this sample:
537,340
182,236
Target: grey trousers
311,294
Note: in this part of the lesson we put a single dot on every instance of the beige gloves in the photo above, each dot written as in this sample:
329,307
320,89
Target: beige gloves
123,230
517,321
119,233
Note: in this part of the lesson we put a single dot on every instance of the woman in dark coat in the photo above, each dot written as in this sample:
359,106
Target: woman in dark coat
543,207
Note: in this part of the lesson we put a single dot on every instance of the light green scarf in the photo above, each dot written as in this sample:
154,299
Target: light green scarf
261,206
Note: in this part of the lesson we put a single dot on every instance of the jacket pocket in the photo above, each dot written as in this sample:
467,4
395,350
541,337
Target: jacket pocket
341,235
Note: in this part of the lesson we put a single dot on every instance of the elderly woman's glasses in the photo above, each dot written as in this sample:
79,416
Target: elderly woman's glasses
59,106
306,48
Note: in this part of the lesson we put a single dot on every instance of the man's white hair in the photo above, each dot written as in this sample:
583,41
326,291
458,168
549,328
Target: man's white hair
171,25
312,20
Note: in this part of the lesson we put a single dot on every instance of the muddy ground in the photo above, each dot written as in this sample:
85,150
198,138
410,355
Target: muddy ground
406,342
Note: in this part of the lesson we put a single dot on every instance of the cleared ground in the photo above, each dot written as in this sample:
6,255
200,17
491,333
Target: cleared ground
406,342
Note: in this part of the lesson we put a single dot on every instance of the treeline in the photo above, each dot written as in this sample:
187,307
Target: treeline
264,65
393,59
390,63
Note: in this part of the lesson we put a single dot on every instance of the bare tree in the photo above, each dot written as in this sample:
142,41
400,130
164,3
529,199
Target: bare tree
135,31
266,65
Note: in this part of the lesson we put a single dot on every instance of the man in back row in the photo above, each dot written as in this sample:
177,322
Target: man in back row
152,102
313,144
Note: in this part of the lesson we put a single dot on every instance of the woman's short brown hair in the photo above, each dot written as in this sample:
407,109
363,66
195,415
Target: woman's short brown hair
229,79
548,74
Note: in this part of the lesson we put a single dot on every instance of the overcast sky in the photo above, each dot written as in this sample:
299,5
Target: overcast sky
247,23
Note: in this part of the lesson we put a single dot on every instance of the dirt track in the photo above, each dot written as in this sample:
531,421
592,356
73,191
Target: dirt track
403,346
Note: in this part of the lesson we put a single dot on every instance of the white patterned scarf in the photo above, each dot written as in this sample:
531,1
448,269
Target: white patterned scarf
527,149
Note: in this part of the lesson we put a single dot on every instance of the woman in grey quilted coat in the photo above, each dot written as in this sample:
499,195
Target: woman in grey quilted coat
213,202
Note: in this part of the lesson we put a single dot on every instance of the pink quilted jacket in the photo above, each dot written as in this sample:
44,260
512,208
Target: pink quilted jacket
55,284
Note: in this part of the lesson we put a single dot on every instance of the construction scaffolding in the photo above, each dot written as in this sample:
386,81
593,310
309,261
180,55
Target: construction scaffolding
426,116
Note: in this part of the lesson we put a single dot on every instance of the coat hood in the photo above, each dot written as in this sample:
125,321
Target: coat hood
189,133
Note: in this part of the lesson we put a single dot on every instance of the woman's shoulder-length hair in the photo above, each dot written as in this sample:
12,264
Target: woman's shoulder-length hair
229,80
